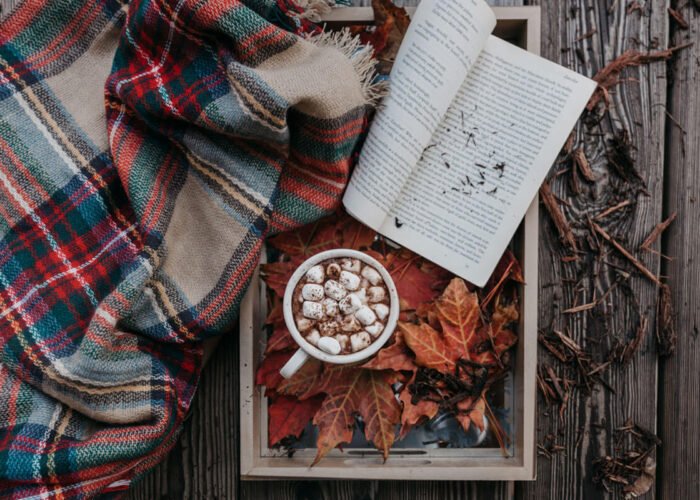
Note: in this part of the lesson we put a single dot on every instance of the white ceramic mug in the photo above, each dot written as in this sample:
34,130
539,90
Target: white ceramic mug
307,349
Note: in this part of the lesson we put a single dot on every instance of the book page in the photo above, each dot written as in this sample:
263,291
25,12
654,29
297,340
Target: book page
443,41
485,163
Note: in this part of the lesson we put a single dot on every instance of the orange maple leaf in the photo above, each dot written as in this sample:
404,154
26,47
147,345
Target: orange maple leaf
460,317
351,391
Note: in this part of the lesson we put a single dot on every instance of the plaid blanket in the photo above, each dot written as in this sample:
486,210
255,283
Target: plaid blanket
132,212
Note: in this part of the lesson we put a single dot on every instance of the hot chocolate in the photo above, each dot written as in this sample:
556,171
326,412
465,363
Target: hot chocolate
341,305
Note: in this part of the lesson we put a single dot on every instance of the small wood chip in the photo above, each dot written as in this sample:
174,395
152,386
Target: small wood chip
665,325
678,17
635,262
557,216
656,232
580,160
613,209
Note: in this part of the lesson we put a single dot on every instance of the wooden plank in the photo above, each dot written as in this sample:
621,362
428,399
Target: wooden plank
204,464
680,412
597,31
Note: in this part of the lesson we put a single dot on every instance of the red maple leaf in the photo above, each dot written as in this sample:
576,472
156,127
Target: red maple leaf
337,231
289,417
417,280
268,373
397,356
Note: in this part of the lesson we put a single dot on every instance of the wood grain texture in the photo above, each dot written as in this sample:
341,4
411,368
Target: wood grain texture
585,35
680,390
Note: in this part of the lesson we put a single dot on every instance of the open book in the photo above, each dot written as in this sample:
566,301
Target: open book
462,143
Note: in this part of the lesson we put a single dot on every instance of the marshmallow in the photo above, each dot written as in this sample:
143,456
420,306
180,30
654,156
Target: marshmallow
365,315
349,280
313,337
299,297
329,345
362,295
350,324
374,329
350,304
376,294
359,341
333,270
330,307
316,274
364,283
335,290
371,275
312,310
303,324
352,265
329,328
312,292
381,310
343,341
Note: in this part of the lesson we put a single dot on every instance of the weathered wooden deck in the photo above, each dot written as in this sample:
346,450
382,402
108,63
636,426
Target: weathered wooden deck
659,105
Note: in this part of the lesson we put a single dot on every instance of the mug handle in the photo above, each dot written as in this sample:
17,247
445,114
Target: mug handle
294,364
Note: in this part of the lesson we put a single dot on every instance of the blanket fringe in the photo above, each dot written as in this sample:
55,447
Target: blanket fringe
313,10
362,58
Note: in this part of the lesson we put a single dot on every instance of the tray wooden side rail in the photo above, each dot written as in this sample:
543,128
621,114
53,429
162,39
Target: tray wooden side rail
519,25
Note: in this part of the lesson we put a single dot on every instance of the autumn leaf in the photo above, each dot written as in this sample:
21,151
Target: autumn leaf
350,391
376,36
417,280
470,412
500,337
397,356
289,417
280,340
309,381
460,317
412,413
394,21
276,275
336,231
268,373
428,346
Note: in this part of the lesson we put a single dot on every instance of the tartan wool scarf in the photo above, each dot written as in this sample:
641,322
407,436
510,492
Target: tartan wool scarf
146,151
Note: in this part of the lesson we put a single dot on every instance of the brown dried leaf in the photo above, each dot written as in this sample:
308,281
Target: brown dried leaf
644,482
414,413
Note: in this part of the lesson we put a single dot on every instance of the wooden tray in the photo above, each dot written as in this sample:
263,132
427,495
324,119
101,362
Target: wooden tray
518,25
